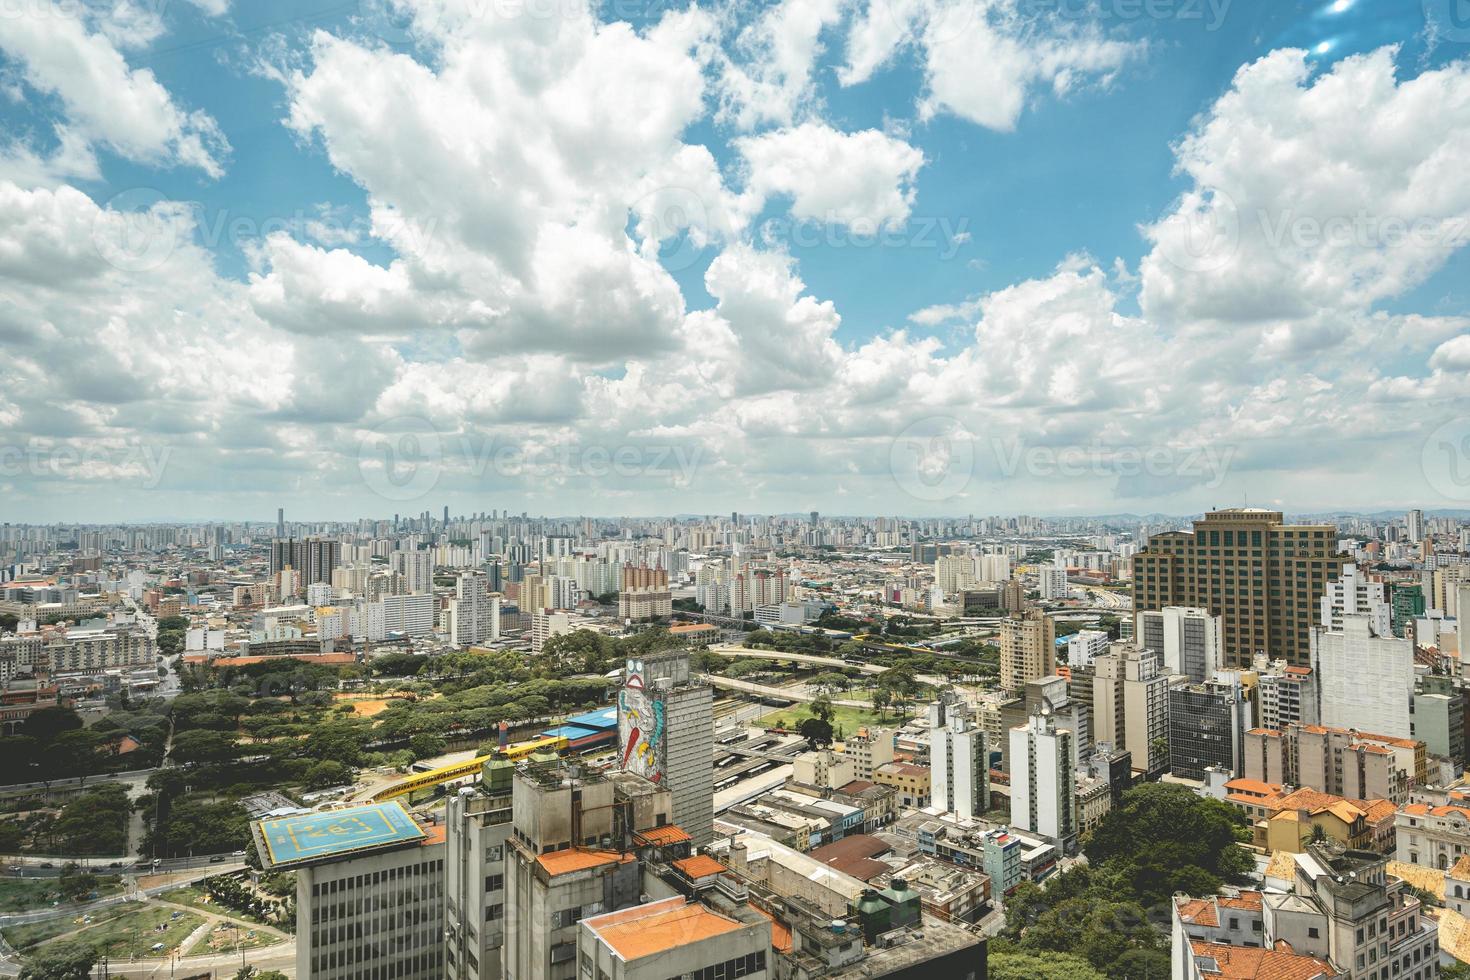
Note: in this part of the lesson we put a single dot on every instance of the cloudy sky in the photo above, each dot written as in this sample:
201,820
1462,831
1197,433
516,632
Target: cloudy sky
359,257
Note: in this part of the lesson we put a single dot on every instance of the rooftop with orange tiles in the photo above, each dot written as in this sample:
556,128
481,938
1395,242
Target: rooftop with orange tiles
1254,963
663,836
579,859
700,866
657,927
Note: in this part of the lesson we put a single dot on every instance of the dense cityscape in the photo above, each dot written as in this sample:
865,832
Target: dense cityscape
496,745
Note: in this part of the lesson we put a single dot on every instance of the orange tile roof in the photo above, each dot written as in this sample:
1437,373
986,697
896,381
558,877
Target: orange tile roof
700,866
1246,901
578,859
661,929
1199,912
663,836
780,935
1253,786
1254,963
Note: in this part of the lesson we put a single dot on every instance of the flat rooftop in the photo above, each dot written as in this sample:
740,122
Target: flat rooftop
646,930
305,838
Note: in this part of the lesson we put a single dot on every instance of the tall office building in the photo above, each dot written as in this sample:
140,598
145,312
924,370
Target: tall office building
369,890
1188,640
280,522
1028,649
1264,578
1367,680
1414,525
1043,794
666,735
1207,726
959,766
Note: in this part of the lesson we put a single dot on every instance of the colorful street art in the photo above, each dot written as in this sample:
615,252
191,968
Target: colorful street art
640,726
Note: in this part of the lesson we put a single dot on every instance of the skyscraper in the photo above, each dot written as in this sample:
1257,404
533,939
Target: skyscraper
280,522
1265,579
314,559
1367,679
666,735
1414,525
473,613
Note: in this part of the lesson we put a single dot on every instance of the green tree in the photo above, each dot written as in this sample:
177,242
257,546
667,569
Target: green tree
816,731
47,723
60,961
1009,964
822,709
426,746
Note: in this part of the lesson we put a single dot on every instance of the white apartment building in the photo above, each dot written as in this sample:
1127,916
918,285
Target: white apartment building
1043,797
1353,594
1366,680
545,625
1085,646
1187,638
959,766
473,612
1053,583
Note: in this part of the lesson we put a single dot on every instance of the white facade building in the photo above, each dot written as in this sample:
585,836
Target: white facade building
1043,799
1366,680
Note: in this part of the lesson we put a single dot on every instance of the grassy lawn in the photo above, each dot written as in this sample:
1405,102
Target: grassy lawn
221,939
135,933
25,936
30,894
847,719
198,898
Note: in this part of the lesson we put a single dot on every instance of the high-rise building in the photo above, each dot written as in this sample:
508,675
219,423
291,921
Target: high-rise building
1285,694
1207,726
477,825
1414,525
1188,640
474,614
1345,762
369,890
1130,705
1043,795
314,559
1084,646
1366,680
1353,593
1028,649
1053,583
959,766
1263,578
280,522
666,735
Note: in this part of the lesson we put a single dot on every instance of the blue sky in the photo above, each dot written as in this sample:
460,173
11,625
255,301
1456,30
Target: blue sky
1024,161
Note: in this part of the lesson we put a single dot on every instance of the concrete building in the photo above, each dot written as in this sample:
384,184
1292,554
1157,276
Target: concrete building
869,748
546,624
1366,679
958,764
1086,645
473,613
666,735
477,825
1207,726
1027,649
1433,836
674,938
1344,911
1439,717
570,856
1188,640
1354,594
369,890
1286,567
1052,583
1043,796
1130,705
1357,765
1285,694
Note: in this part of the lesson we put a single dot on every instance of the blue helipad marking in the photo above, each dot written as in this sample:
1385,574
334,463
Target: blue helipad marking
306,836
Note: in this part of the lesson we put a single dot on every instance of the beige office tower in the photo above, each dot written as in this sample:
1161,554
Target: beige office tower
1028,649
666,735
1264,579
477,825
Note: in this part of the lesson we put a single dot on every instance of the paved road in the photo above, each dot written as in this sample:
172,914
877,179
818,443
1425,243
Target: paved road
726,650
